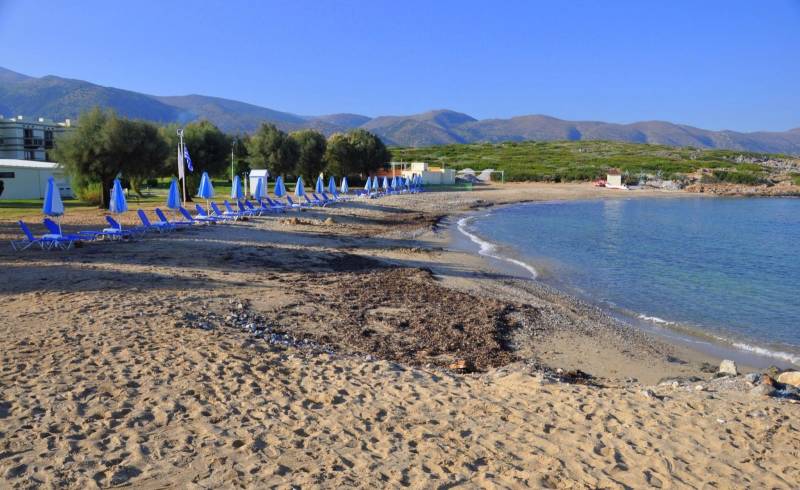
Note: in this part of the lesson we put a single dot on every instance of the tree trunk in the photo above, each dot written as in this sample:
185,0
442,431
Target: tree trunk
105,193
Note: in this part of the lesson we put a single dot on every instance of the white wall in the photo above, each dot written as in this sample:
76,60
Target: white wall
614,180
29,183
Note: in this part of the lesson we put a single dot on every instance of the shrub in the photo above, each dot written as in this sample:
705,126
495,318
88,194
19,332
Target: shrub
736,177
89,193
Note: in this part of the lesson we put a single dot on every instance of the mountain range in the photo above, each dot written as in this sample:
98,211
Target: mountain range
59,98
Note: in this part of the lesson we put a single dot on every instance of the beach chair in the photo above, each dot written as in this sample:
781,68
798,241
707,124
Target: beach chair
309,203
320,201
275,204
327,200
203,216
223,215
242,210
175,224
133,230
258,211
158,226
271,206
55,233
248,209
204,219
28,241
291,203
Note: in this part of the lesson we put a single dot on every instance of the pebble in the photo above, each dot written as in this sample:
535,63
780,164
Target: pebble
752,378
728,367
763,390
790,378
648,393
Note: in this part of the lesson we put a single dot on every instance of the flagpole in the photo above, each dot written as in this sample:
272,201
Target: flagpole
181,170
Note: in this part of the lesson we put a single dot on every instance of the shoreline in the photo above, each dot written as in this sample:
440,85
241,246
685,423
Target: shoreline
747,352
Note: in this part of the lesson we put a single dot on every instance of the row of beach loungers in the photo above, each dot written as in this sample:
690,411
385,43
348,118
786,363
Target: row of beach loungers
55,239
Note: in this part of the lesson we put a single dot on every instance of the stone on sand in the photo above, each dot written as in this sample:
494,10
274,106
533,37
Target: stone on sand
763,389
728,367
790,378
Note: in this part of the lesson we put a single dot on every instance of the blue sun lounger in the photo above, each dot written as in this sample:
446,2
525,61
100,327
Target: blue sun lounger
275,204
45,242
177,224
157,226
133,230
310,203
258,211
203,216
55,232
247,211
327,200
195,219
217,213
292,203
271,206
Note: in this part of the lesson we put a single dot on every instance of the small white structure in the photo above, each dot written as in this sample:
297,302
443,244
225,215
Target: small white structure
27,179
430,175
259,173
614,180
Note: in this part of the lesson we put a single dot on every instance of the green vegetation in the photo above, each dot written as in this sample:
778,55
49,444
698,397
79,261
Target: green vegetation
104,146
563,161
357,152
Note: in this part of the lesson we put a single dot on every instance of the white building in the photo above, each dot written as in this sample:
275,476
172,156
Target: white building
614,179
26,179
430,175
255,174
28,139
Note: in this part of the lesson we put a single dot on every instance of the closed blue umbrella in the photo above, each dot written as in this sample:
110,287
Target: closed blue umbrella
258,192
280,191
53,206
345,188
206,190
368,185
173,196
118,202
332,185
299,191
236,188
375,184
320,185
393,184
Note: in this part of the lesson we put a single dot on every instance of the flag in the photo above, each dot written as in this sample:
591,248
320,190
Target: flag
188,159
180,164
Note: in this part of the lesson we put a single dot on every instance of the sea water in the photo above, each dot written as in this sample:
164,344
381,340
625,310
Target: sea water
726,269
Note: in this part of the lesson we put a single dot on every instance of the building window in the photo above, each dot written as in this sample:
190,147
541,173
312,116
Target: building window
6,175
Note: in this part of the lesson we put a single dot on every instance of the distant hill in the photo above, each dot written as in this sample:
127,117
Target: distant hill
60,98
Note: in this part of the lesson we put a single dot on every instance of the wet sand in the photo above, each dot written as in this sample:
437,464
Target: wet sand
357,351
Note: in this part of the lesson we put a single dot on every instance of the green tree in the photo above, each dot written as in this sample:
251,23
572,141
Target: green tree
311,153
357,152
273,149
241,163
210,151
104,146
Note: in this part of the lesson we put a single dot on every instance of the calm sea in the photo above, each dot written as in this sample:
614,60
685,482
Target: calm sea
726,270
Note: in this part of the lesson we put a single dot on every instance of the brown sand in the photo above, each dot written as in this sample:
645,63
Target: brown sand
102,384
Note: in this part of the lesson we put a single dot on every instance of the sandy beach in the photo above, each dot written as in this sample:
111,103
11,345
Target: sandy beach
350,346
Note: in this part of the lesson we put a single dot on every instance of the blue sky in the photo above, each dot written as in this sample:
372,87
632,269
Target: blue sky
713,64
